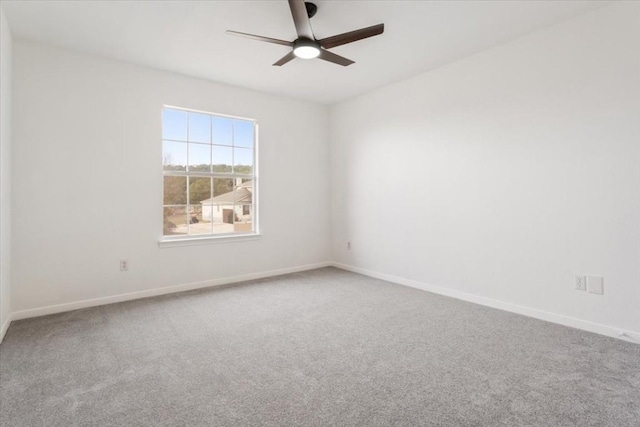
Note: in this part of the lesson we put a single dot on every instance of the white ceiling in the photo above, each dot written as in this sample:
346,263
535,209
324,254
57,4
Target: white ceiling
189,37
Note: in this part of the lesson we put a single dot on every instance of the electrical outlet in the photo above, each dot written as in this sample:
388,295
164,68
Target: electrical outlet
595,284
124,265
581,283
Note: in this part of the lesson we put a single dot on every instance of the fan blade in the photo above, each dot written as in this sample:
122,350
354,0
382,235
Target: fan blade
260,38
288,57
301,19
336,59
351,36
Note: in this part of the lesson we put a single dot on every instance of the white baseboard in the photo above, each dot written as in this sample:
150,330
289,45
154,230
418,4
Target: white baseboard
610,331
597,328
59,308
4,327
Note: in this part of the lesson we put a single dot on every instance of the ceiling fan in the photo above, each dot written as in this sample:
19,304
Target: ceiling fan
306,46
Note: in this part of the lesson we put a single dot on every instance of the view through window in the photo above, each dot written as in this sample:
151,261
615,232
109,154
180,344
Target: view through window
209,167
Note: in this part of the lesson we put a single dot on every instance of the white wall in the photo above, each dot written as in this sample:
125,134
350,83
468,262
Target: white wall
88,179
519,166
5,172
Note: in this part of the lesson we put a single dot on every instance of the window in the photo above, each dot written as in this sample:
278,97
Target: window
210,180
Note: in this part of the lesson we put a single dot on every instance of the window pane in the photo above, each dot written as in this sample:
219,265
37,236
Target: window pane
175,220
207,215
244,193
243,161
199,190
199,157
223,218
242,133
222,130
223,197
199,128
222,159
244,221
174,124
197,224
222,190
175,190
174,156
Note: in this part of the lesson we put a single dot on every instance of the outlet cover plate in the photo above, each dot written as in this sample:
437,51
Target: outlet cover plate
581,283
595,285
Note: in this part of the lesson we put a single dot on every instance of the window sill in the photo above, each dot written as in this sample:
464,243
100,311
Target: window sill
207,240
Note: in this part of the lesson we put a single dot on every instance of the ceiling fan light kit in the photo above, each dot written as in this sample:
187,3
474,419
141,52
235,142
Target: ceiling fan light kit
306,46
306,49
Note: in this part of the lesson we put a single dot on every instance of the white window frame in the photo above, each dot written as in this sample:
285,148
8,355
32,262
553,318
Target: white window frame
186,239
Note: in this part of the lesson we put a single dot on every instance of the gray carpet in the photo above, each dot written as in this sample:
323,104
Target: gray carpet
319,348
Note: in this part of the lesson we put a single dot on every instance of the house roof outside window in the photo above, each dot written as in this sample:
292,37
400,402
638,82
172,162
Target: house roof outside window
242,194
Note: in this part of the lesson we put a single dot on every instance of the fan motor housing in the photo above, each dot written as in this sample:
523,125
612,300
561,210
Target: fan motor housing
303,41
